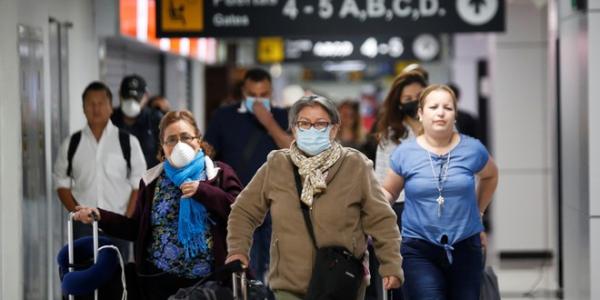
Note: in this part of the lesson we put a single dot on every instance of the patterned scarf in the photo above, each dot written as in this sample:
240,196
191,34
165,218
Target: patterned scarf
192,214
314,169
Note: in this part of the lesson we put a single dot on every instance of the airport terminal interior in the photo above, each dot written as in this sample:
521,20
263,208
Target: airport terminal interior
528,72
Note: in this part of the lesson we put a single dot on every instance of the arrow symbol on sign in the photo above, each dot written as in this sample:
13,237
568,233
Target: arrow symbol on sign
477,4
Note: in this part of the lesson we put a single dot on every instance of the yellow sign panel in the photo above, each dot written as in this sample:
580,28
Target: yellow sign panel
270,50
182,15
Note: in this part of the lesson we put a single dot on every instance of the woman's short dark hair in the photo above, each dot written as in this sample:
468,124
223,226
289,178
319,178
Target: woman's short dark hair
97,86
313,100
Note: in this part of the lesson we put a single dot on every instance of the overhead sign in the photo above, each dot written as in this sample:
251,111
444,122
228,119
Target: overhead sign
424,47
177,17
255,18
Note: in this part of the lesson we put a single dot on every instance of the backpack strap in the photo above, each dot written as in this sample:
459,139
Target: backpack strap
73,143
126,149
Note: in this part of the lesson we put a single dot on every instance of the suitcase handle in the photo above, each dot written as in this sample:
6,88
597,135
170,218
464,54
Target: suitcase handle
239,283
70,241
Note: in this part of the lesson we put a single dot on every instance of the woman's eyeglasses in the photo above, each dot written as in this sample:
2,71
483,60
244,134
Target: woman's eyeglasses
172,140
319,125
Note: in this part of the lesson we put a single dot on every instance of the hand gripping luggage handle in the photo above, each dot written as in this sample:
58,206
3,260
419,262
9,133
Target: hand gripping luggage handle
70,241
240,289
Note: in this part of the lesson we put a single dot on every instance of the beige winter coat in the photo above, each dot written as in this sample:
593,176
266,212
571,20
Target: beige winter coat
352,207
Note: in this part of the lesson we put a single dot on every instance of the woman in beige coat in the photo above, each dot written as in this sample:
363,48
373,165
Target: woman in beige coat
338,184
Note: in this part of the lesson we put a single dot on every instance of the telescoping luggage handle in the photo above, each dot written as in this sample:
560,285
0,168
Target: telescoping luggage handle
240,285
70,241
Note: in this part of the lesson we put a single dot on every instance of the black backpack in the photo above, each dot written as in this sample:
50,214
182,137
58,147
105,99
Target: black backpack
123,141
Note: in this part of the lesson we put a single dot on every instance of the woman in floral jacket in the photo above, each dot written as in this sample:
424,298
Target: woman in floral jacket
180,222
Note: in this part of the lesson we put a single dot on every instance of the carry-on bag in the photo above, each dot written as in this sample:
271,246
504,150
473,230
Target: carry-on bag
215,286
89,267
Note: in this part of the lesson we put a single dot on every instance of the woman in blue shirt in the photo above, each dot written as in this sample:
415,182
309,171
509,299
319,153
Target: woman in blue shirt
448,179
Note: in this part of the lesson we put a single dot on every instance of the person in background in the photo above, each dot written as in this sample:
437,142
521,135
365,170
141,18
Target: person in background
96,173
134,116
448,179
243,135
397,122
179,224
351,131
465,122
159,103
416,68
339,186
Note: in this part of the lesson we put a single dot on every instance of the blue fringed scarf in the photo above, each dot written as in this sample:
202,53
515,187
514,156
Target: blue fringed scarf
193,216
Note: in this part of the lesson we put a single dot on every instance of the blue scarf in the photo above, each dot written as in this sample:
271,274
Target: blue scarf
193,216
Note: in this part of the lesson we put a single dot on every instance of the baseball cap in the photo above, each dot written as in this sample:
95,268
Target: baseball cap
133,86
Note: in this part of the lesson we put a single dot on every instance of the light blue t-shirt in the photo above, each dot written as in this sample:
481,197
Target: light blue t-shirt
459,217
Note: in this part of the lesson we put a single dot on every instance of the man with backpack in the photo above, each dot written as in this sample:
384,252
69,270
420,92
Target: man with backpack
99,165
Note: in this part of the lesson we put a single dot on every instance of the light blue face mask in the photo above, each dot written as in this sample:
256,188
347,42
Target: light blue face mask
249,102
313,141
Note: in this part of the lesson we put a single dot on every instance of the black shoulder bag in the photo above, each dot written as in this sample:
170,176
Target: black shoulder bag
336,274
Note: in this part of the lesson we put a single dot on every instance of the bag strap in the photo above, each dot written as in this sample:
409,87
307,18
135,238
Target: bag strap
73,144
125,149
305,208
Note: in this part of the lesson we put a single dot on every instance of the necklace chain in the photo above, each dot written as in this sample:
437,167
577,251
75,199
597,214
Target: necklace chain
440,179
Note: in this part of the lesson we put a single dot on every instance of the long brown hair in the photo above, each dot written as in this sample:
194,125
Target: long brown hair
436,87
390,116
176,116
356,127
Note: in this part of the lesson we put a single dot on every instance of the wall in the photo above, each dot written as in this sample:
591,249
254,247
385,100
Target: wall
520,131
575,116
11,273
83,68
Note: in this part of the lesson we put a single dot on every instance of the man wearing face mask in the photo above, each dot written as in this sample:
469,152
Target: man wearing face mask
243,135
100,165
135,117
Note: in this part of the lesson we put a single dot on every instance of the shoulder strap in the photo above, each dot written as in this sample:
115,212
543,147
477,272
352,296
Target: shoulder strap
73,143
305,209
125,148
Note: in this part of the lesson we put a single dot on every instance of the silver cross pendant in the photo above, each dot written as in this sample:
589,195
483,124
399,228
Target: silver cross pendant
440,201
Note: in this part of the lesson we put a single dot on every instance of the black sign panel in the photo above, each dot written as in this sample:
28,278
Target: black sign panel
425,47
255,18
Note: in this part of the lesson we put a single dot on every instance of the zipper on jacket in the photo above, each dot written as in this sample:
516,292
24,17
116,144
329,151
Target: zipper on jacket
276,269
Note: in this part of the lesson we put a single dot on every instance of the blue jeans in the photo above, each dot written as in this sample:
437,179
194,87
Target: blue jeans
259,253
429,275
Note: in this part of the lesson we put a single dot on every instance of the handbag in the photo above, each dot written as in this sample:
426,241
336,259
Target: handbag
489,282
336,274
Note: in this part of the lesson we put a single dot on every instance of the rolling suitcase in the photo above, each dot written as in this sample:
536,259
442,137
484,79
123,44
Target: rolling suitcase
89,267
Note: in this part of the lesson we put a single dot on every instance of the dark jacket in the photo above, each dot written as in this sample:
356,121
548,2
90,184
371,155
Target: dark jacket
216,194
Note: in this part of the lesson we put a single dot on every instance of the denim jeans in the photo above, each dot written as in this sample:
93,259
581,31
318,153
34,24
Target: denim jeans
259,253
429,275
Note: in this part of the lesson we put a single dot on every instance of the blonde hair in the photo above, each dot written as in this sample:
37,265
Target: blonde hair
436,87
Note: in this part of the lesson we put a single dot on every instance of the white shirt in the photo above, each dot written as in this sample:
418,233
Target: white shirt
99,170
382,158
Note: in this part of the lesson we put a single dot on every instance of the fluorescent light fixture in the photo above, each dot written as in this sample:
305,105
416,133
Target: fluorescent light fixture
345,66
165,44
184,46
142,20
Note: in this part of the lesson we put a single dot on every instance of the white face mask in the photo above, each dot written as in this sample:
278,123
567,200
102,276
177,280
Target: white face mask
131,107
181,155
